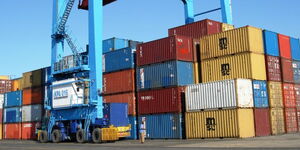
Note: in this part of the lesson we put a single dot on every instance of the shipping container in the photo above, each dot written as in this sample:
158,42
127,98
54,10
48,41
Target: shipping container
290,116
118,82
134,131
12,131
1,116
33,96
1,101
115,114
197,29
3,77
271,43
118,60
289,98
262,121
220,94
295,48
163,126
13,99
1,131
227,123
275,94
245,65
245,39
167,100
297,94
32,113
166,49
298,117
273,68
117,43
32,78
287,70
12,115
284,46
128,98
17,84
296,70
5,86
260,94
172,73
29,130
196,73
277,121
227,27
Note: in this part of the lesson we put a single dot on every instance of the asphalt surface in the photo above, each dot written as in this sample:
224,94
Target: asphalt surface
287,141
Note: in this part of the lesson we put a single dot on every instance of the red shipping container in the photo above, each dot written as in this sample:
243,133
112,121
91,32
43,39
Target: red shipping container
128,98
28,130
298,118
297,94
12,131
33,96
284,46
287,70
197,29
1,116
166,49
119,82
262,122
288,93
5,86
160,101
273,68
291,124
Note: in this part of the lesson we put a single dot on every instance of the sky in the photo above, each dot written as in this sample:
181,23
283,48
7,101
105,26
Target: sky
25,27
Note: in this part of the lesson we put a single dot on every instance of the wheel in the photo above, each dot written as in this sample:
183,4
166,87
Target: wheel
43,138
97,135
80,136
56,136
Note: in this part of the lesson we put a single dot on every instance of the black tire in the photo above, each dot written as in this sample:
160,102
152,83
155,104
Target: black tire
97,135
56,136
80,136
43,138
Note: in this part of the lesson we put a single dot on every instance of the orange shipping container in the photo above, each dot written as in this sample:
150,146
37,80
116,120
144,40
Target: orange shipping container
123,98
28,130
32,96
12,131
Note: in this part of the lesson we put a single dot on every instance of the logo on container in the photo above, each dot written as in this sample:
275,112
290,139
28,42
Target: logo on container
60,94
145,98
225,69
210,124
223,43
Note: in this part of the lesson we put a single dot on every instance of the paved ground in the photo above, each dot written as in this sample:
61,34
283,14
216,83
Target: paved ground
287,141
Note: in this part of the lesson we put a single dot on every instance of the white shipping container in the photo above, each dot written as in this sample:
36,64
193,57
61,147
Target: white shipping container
221,94
31,113
1,100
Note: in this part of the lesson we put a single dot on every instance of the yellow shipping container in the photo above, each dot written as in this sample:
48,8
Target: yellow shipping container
225,123
275,94
32,79
1,135
244,65
245,39
196,73
277,121
4,77
17,84
227,27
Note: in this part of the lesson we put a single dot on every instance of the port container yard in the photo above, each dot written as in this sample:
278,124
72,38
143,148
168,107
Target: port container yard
206,81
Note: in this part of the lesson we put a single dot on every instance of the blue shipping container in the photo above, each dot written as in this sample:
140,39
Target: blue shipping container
118,60
172,73
295,48
13,99
133,123
271,43
163,126
260,94
296,70
116,113
12,115
117,43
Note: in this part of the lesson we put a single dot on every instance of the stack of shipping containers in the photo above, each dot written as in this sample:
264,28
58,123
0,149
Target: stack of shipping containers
5,86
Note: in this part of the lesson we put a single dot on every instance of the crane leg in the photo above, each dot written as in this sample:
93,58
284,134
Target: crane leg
226,11
189,11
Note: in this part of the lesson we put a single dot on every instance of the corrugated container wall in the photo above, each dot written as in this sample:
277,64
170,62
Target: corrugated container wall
260,94
197,29
245,65
12,131
118,82
13,99
1,129
172,73
297,95
290,116
287,70
12,115
227,123
32,113
163,126
277,121
275,94
273,68
271,43
166,49
220,94
298,118
115,114
128,98
284,46
5,86
296,70
32,78
289,99
28,130
245,39
295,48
262,121
134,124
160,101
17,84
118,60
33,96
